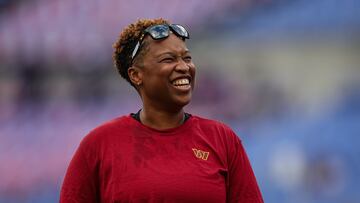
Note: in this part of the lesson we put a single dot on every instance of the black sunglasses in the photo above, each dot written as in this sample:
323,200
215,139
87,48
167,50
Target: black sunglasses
158,32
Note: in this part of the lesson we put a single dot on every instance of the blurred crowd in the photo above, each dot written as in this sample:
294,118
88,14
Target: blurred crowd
284,74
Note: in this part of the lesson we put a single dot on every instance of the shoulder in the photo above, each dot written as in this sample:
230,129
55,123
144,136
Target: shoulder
106,130
209,123
111,125
215,127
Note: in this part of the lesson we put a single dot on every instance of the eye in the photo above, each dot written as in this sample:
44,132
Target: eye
167,60
187,59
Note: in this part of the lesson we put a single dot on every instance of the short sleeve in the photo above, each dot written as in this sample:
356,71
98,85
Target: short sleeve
241,182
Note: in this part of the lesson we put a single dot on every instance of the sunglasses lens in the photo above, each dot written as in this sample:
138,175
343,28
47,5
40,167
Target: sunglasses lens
180,30
158,31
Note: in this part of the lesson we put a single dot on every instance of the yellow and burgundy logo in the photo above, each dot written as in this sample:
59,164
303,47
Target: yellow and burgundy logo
201,154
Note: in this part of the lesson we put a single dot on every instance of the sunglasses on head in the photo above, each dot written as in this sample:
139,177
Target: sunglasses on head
158,32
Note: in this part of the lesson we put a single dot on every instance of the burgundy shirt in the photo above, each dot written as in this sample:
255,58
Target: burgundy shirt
125,161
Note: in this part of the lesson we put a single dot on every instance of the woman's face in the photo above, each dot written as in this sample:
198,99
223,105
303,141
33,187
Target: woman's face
168,73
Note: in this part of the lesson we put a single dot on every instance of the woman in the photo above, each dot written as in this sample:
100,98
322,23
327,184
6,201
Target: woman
161,153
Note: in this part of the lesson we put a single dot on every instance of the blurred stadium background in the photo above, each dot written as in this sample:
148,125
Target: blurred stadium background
285,74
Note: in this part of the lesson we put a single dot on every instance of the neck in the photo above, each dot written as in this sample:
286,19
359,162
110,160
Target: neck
161,120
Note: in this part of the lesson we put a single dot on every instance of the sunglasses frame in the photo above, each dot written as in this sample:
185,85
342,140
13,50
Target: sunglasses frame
174,28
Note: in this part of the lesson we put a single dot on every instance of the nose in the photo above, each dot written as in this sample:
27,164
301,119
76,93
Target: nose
182,66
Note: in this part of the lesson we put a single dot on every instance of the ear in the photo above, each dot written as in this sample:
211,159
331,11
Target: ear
135,75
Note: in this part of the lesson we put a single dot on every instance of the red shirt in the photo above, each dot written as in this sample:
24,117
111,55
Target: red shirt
125,161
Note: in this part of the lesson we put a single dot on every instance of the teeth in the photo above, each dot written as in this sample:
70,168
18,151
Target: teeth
181,82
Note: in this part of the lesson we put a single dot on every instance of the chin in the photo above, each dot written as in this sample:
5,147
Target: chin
181,102
185,103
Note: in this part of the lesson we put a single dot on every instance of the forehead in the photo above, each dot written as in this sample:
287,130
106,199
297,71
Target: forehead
171,44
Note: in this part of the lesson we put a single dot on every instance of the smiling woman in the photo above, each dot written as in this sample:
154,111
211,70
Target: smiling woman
160,153
165,80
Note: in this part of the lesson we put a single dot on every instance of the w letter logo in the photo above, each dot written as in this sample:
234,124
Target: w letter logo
200,154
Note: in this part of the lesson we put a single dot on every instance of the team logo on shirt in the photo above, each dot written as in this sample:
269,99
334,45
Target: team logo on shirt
201,154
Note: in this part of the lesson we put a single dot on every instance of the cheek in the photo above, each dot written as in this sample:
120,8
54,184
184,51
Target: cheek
157,73
160,79
192,69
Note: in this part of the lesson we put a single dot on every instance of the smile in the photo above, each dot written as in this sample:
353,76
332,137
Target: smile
182,83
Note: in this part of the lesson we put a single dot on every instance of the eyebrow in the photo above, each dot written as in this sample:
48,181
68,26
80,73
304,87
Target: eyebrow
187,51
